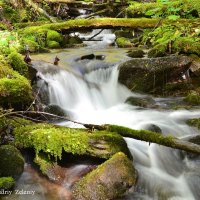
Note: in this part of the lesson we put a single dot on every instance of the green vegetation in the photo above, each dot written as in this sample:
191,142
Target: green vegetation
6,183
108,181
123,42
53,140
44,162
12,162
143,135
15,91
193,98
177,38
16,61
171,9
194,122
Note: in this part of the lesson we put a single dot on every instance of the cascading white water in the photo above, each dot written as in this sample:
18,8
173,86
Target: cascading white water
98,98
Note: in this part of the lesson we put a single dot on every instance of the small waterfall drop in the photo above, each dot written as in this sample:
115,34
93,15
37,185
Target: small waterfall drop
98,98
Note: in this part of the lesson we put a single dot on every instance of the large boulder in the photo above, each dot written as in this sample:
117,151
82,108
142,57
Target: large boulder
109,181
12,162
149,74
54,140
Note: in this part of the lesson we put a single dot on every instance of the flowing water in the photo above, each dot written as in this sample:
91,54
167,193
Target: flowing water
93,95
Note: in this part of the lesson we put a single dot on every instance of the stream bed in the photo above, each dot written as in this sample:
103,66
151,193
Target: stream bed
88,91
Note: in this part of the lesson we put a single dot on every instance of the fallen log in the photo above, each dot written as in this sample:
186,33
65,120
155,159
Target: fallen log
143,135
107,23
152,137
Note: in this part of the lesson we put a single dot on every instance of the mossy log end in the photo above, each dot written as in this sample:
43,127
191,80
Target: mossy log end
153,137
100,23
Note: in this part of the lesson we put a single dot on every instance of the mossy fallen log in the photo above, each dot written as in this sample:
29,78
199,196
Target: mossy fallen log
100,23
152,137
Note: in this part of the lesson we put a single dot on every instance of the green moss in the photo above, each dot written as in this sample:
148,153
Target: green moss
15,91
53,45
143,135
193,98
44,162
172,9
6,183
53,140
12,162
187,45
123,42
16,61
5,69
54,36
158,51
108,181
194,122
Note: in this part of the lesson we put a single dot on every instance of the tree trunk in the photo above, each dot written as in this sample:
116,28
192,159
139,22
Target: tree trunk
103,23
152,137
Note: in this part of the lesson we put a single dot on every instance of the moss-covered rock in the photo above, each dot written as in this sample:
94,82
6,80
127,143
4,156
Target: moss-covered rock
145,102
194,122
6,183
54,36
15,91
124,33
53,140
53,45
12,162
148,75
109,181
123,42
136,53
17,62
158,51
193,98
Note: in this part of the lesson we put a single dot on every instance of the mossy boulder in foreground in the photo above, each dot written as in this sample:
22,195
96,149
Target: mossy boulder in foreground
53,140
6,183
150,74
12,162
109,181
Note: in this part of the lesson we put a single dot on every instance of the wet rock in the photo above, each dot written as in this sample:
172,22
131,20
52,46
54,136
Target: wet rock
54,109
123,33
12,162
154,128
91,57
109,181
71,41
146,102
195,67
150,74
136,53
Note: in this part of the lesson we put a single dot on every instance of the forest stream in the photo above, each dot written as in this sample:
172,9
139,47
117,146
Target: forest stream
88,91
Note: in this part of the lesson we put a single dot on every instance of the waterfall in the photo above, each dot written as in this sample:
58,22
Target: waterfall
98,98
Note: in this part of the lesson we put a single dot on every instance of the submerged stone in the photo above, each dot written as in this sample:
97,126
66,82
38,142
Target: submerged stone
108,181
